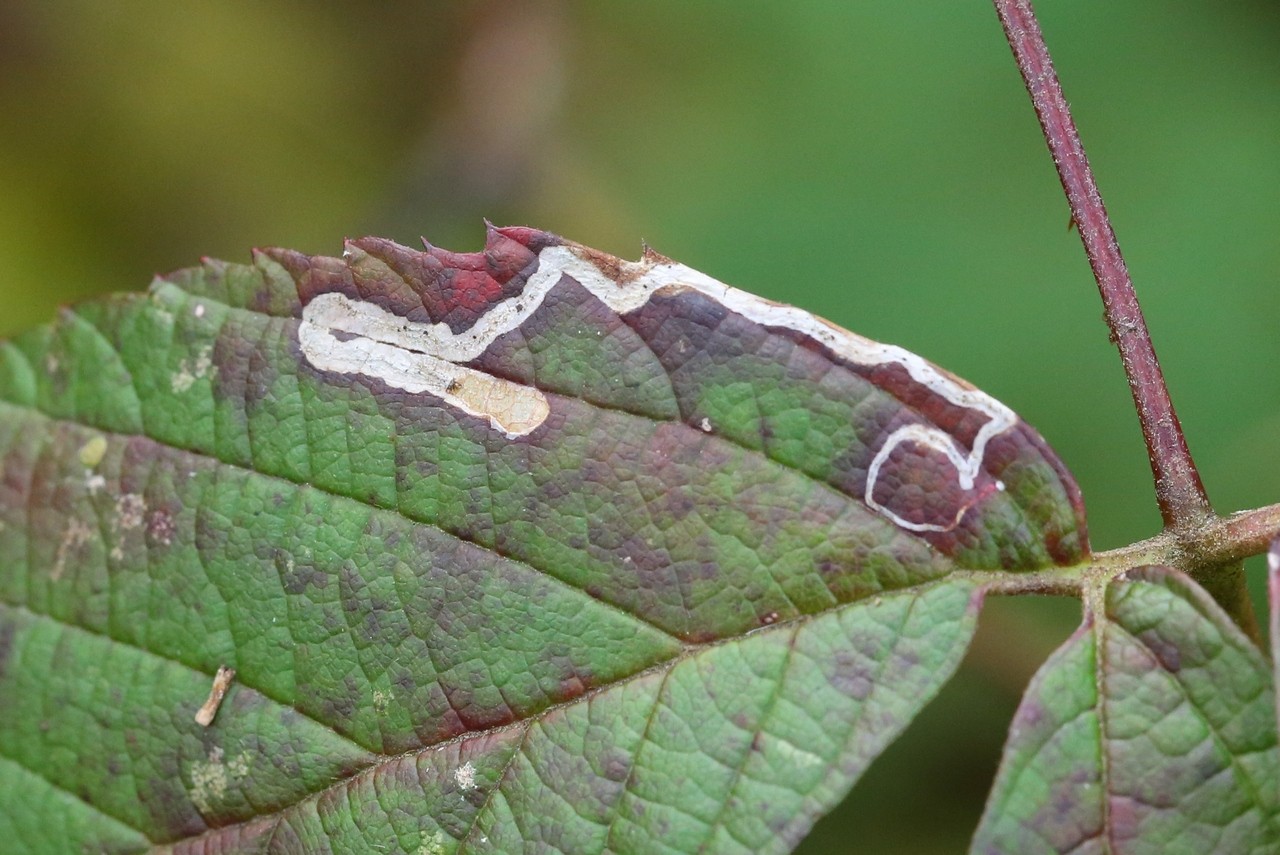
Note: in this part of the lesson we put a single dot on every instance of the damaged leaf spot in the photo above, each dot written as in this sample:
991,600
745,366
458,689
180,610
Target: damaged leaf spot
76,535
795,755
130,511
351,336
381,700
189,371
411,357
161,527
432,844
465,777
210,779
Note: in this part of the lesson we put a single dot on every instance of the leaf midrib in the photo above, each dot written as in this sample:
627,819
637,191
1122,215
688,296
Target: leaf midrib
686,648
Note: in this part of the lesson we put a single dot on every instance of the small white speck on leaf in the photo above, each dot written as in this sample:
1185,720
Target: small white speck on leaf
221,683
465,776
798,756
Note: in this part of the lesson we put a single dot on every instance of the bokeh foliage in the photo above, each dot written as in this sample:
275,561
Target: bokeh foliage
875,164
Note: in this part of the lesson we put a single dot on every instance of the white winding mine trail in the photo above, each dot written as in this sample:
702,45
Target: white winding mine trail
418,357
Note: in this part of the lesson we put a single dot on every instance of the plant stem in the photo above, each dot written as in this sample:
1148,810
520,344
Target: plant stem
1238,536
1179,492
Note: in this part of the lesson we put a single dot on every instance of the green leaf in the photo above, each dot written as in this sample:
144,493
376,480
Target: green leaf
531,549
1149,730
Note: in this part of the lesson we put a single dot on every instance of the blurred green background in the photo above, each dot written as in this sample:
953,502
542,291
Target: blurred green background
877,163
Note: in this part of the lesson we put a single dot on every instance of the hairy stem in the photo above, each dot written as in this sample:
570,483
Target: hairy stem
1181,496
1238,536
1218,544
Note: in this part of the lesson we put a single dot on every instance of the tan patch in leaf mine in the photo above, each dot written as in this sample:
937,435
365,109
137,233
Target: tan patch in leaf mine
416,358
211,779
76,535
507,404
221,683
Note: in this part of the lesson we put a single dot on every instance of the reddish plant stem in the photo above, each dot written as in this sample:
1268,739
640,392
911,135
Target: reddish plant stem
1179,492
1239,536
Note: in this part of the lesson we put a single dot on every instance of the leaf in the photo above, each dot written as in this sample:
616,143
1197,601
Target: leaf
1149,730
529,549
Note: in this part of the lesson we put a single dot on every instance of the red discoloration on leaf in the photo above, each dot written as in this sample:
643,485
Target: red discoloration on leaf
920,485
657,339
431,286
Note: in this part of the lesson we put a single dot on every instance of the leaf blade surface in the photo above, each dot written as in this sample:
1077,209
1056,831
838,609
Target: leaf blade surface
1145,732
428,504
